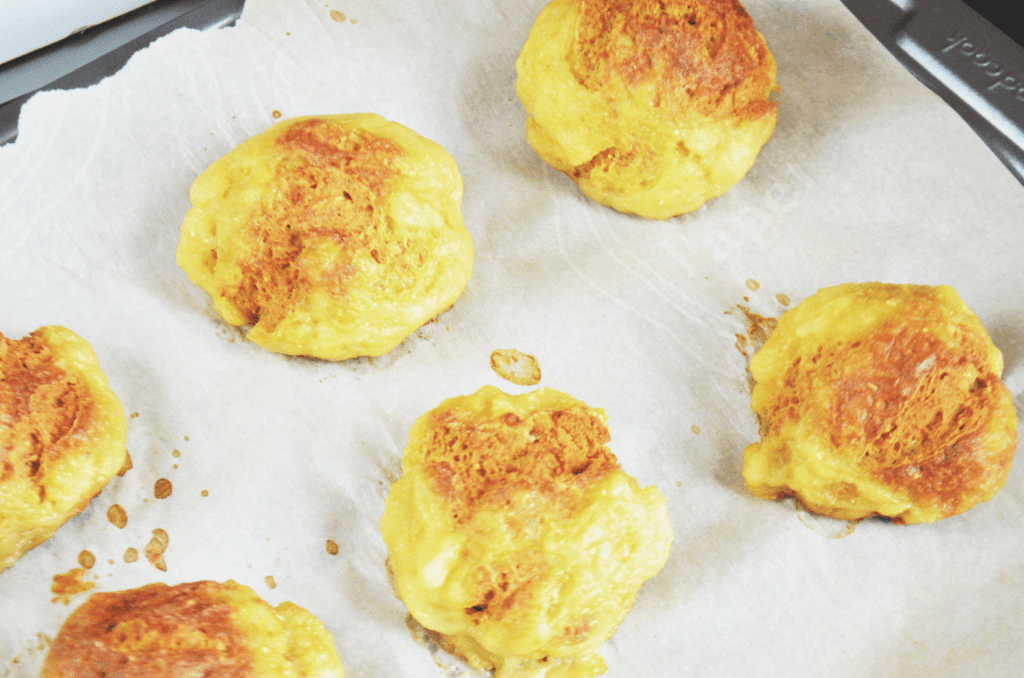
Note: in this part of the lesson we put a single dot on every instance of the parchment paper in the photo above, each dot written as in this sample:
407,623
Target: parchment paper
869,176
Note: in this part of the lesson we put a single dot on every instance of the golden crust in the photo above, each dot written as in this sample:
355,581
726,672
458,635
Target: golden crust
651,107
699,55
478,465
880,399
62,435
516,536
333,236
193,629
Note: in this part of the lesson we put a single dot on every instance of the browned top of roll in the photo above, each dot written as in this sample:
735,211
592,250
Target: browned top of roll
329,182
478,465
157,630
42,408
701,55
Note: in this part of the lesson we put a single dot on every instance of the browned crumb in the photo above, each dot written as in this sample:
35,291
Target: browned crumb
131,555
753,285
162,488
759,327
271,584
127,466
332,547
782,299
515,366
86,559
69,584
155,549
117,516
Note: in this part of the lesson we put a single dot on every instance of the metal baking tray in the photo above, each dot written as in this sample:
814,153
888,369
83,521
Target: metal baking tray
92,52
961,56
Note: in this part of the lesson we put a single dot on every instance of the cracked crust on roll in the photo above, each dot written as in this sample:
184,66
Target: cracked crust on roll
515,535
62,435
329,236
885,400
193,629
651,107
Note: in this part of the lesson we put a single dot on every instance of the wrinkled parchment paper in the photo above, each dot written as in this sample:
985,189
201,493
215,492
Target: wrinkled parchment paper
869,176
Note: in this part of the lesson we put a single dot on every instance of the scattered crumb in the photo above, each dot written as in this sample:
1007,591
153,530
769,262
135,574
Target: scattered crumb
332,547
176,454
515,366
759,327
753,285
69,584
133,415
117,516
276,114
337,16
162,488
830,528
679,483
204,493
131,555
270,582
352,21
695,429
110,562
186,439
155,549
127,465
86,559
782,299
160,536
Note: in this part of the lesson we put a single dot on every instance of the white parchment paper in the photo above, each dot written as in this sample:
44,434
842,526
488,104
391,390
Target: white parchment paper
869,176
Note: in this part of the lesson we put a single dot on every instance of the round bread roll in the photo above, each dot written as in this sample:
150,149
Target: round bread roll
332,236
881,400
652,107
62,435
514,534
195,629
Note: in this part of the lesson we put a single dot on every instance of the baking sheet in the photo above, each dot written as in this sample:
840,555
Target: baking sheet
869,176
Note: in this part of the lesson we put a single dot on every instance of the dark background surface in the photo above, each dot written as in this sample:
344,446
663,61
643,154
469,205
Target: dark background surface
1007,15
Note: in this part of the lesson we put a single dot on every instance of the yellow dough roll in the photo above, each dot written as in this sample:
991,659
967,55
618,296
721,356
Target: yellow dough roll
881,399
201,628
515,535
652,107
333,236
62,435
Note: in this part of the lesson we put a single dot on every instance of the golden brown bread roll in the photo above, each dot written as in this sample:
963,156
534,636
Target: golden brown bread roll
62,435
196,629
333,236
651,106
515,535
879,399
